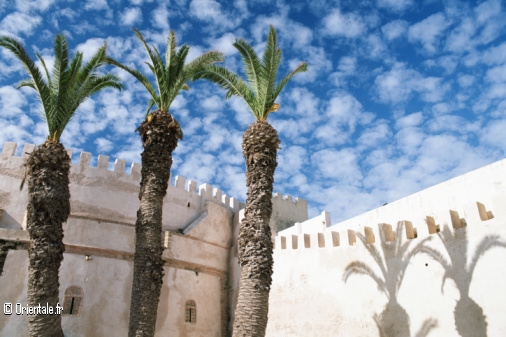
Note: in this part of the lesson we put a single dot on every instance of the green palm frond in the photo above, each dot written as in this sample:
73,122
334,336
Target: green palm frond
171,77
270,64
231,82
201,62
67,86
300,69
36,79
260,91
139,76
252,65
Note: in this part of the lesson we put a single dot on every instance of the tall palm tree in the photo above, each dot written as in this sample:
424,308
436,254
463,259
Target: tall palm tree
260,144
160,133
69,85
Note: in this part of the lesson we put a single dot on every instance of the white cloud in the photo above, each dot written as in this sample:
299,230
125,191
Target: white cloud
90,48
16,23
460,39
466,80
413,119
399,83
487,10
131,16
104,145
375,135
394,29
213,103
338,24
224,44
395,5
428,31
96,4
340,165
210,11
29,5
493,134
161,17
11,101
344,112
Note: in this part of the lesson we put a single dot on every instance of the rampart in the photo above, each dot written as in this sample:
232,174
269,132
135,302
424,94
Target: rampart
427,264
198,223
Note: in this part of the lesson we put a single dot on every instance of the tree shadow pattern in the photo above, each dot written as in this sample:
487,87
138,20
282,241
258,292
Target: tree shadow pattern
470,320
393,320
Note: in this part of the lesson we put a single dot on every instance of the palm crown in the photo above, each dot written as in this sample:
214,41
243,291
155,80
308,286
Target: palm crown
262,90
69,85
170,78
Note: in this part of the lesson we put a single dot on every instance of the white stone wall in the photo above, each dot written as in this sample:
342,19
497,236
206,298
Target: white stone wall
200,225
322,284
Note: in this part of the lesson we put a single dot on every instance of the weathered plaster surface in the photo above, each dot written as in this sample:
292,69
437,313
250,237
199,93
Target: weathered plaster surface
198,224
311,295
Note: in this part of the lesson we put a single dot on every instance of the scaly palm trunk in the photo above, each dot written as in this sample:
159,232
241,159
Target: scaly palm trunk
159,139
48,208
260,144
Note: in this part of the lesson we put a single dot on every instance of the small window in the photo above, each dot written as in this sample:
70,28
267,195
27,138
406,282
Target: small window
191,312
73,301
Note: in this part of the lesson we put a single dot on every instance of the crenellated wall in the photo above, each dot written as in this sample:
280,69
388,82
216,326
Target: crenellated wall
425,265
198,223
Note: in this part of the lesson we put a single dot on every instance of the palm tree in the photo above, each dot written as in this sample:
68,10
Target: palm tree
69,85
260,144
160,133
469,317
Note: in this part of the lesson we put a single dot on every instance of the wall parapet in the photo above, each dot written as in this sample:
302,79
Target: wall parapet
178,184
293,239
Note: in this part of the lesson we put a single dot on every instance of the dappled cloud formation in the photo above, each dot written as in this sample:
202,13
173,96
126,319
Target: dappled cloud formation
398,96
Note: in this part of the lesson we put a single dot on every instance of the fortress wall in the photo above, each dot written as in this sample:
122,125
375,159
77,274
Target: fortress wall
322,284
105,194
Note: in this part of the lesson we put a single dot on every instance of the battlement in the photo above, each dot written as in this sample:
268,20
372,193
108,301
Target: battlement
83,173
381,233
473,201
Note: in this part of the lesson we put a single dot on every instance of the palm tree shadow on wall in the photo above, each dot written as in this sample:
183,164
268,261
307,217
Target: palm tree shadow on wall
393,320
470,320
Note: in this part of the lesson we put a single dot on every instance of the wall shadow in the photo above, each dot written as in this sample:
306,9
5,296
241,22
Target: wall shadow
470,320
393,321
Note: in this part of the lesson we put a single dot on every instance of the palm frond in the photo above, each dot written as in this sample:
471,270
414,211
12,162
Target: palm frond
28,82
58,80
201,62
301,68
45,69
178,66
228,80
39,85
139,76
158,70
67,85
270,64
251,63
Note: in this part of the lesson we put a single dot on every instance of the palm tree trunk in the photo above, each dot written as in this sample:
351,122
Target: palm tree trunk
260,144
48,208
159,139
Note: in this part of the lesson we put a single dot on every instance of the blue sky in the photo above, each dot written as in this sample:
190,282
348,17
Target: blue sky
400,94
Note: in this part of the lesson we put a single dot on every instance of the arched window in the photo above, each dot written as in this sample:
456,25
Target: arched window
191,312
73,301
